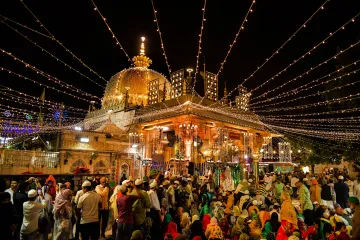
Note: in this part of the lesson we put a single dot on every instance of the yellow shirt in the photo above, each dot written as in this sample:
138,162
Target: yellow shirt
104,194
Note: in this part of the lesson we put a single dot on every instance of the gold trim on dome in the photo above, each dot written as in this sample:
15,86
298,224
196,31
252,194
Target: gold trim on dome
142,61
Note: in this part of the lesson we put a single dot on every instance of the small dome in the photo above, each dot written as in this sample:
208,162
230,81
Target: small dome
136,80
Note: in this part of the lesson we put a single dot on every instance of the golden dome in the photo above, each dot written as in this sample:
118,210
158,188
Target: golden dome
134,79
134,82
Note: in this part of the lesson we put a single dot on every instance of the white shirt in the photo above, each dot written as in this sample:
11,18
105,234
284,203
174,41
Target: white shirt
154,200
294,180
31,216
357,191
89,204
11,194
78,195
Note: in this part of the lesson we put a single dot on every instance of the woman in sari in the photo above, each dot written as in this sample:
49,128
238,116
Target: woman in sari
287,211
62,214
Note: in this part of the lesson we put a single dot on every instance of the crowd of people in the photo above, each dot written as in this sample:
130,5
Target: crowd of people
277,206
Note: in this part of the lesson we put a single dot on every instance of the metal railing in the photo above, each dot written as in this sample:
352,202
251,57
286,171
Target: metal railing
23,158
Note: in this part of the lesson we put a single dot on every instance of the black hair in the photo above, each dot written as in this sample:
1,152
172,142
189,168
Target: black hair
274,222
4,195
87,188
23,186
62,186
50,181
339,225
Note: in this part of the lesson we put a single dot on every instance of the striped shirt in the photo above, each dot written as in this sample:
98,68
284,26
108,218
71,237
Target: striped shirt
261,190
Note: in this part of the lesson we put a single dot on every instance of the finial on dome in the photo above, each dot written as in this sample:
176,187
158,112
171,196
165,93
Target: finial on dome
142,46
142,60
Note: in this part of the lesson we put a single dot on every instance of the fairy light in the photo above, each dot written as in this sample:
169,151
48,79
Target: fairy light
278,50
199,46
236,36
53,56
317,104
307,72
314,120
43,85
310,124
159,32
315,94
60,43
319,134
111,31
21,25
302,87
49,77
302,57
31,103
318,113
38,99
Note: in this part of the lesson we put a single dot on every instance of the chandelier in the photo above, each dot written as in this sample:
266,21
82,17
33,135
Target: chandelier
285,152
267,149
135,139
188,130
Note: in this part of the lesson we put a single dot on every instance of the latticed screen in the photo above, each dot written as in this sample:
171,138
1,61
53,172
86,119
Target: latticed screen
177,81
211,86
153,96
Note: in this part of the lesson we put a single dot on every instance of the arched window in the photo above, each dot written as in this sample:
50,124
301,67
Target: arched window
100,167
78,163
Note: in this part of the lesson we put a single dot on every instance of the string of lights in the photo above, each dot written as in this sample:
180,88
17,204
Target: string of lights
42,84
159,32
311,95
111,31
316,104
199,48
306,72
39,99
53,56
321,144
200,38
60,43
51,78
344,128
278,50
304,55
250,10
24,26
302,87
32,103
318,124
320,120
350,110
335,135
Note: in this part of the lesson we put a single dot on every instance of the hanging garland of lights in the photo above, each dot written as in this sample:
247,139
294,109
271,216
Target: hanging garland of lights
60,43
310,95
199,48
311,69
277,51
111,31
50,103
43,85
51,78
53,56
302,87
250,10
24,26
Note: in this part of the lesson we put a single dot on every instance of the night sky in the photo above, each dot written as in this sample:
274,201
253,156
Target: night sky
80,28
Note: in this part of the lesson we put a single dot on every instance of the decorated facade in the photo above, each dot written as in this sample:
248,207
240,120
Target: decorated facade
148,122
